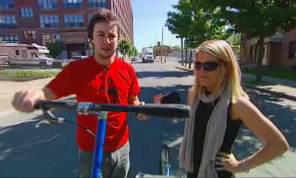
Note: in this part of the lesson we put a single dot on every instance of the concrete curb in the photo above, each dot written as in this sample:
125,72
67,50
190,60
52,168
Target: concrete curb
21,79
278,94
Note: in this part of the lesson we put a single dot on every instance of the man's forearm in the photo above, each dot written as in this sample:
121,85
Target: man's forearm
134,100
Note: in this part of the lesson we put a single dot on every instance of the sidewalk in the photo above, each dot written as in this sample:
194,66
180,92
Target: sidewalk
274,86
8,89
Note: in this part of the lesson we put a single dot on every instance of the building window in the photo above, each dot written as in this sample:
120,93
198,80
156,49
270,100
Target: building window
30,34
24,54
74,20
17,52
8,22
50,38
27,12
89,17
10,38
112,5
47,4
69,4
49,21
292,49
96,3
6,4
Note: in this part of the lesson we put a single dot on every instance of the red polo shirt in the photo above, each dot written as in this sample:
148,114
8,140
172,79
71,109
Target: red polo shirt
92,82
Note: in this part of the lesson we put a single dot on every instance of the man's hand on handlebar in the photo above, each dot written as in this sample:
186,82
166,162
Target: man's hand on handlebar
24,100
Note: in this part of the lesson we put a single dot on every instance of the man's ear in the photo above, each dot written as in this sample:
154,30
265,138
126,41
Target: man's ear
90,40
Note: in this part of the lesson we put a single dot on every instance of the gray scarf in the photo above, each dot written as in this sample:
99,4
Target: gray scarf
214,134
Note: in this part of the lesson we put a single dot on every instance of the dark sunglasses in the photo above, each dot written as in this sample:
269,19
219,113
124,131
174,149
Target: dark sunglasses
207,66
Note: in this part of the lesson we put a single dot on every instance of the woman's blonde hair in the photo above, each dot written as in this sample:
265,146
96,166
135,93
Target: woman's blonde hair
232,74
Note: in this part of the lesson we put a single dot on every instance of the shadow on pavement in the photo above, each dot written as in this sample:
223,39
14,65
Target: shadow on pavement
48,151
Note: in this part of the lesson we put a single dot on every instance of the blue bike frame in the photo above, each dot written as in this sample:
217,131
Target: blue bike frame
101,110
99,147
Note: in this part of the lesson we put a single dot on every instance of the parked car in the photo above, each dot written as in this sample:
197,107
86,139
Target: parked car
148,58
78,57
26,55
135,58
75,58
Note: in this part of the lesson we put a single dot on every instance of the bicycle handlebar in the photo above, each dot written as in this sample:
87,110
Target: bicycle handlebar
162,110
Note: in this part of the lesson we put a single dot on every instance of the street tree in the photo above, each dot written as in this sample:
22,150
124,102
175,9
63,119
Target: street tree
165,50
176,48
133,51
125,47
55,48
191,22
255,19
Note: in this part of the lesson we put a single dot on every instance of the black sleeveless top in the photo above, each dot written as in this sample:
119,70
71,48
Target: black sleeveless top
202,116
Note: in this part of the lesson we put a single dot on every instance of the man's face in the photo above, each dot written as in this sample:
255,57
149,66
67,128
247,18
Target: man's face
105,39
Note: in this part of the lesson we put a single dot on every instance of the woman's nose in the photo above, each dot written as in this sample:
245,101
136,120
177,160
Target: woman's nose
202,70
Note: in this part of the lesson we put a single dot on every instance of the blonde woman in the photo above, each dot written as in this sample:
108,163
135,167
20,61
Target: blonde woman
219,107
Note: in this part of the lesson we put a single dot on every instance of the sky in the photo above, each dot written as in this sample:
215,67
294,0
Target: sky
149,19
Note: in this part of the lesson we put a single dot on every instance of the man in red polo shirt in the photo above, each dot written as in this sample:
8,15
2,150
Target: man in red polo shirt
102,78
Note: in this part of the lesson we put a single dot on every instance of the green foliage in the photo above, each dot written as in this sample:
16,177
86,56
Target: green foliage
133,51
234,39
21,73
176,48
255,18
55,48
125,47
165,50
192,22
277,72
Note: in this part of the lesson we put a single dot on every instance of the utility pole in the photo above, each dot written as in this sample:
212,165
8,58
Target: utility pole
161,45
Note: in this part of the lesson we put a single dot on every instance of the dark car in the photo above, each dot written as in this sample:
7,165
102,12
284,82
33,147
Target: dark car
135,58
75,58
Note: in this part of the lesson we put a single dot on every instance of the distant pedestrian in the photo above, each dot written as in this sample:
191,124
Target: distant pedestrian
219,107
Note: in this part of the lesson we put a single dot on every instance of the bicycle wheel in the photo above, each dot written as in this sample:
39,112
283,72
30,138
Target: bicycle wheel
164,163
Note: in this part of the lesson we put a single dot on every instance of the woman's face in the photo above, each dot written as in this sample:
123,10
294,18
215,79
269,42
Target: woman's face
208,70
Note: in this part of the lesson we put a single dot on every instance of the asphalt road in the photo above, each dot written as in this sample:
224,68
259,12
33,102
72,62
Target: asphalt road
50,151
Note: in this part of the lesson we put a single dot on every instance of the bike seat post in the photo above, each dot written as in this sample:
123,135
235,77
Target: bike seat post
99,146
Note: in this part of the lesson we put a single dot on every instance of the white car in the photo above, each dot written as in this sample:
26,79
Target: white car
148,58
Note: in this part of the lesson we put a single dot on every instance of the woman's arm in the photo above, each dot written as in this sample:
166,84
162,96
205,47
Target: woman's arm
134,100
264,129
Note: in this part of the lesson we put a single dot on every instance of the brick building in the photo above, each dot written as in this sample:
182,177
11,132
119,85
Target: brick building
280,49
46,21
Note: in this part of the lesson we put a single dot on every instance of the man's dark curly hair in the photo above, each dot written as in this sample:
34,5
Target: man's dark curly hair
102,15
